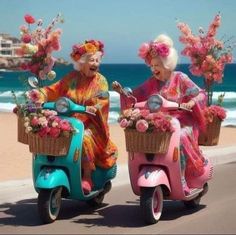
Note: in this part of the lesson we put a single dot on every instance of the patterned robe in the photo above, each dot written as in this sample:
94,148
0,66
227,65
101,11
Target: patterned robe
179,88
98,149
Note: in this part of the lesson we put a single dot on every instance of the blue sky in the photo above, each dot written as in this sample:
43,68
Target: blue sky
121,24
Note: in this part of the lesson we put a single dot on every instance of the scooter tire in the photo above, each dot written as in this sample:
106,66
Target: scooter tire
49,204
151,203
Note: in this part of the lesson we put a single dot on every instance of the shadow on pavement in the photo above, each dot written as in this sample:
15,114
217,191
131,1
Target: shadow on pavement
20,213
24,213
130,215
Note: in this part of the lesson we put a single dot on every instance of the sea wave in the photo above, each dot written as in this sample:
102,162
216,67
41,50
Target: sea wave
230,97
115,96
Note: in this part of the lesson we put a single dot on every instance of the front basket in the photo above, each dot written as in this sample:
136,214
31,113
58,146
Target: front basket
48,145
147,142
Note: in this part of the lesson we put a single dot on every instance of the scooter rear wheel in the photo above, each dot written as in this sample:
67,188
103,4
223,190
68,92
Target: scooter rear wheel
49,204
151,203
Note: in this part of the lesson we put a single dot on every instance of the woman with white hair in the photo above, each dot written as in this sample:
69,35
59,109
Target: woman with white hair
176,86
81,86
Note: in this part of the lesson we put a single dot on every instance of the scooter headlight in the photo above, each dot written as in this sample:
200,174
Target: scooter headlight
62,105
154,103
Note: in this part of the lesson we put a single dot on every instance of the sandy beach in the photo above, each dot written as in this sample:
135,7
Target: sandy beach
15,158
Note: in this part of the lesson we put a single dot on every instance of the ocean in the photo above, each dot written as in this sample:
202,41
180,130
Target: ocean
129,75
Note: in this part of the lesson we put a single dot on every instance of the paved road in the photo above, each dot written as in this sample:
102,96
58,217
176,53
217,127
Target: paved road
120,213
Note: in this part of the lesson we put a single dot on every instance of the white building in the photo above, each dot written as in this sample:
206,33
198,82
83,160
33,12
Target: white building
8,46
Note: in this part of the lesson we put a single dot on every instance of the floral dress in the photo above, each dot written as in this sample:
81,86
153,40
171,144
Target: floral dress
98,149
179,88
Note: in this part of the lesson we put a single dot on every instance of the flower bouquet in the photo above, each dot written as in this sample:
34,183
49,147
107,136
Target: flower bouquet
48,133
146,132
38,45
208,57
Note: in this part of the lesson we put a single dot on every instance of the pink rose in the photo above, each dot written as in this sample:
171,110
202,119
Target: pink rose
35,121
54,132
162,49
124,123
29,19
65,125
141,125
44,131
144,112
26,38
143,50
34,95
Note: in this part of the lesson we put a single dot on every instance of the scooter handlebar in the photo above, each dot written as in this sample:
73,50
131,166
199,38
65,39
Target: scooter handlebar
157,102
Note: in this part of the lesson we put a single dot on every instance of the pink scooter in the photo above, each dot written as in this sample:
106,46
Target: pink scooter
155,177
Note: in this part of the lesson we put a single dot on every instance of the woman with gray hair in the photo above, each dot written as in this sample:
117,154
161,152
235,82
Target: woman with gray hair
161,57
82,86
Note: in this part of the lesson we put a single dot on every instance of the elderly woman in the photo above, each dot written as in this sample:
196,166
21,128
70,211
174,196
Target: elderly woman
81,86
162,58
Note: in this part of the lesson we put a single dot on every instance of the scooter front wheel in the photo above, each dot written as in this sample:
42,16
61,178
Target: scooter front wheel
151,203
49,204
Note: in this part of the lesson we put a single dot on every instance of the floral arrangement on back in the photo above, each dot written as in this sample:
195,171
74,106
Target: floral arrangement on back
37,47
208,57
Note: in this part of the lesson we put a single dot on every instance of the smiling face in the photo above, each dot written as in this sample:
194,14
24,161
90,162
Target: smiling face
158,70
91,65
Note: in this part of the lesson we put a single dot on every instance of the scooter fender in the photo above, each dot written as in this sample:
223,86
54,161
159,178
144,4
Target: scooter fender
49,178
152,176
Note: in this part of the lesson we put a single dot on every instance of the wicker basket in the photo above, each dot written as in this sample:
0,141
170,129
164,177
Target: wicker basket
22,136
212,134
148,142
48,145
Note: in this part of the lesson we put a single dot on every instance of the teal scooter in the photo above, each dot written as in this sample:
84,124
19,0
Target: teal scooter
57,177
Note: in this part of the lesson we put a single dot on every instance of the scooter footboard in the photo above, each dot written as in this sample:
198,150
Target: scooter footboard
51,178
151,176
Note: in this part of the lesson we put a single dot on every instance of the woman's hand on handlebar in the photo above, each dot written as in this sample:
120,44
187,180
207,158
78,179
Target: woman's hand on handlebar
91,110
189,105
117,87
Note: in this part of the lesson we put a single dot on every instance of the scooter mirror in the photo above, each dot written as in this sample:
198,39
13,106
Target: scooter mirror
154,103
62,105
33,82
103,95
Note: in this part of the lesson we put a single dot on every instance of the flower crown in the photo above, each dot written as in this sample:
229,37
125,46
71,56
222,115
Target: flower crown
89,46
147,51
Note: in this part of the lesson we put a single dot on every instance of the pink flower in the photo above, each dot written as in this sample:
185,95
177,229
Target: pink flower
143,50
214,110
54,132
65,125
44,131
144,112
141,125
24,28
162,49
34,95
34,121
124,123
29,19
26,38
